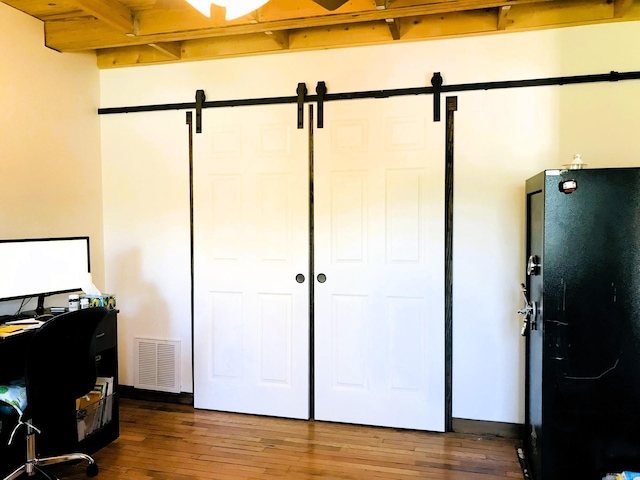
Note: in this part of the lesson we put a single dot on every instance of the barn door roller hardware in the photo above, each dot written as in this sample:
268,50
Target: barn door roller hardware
200,98
321,90
436,82
302,96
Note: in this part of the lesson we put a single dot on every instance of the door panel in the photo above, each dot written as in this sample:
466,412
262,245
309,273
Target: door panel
251,240
379,239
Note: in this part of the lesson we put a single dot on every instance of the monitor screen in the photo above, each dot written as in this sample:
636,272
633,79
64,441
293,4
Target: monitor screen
42,266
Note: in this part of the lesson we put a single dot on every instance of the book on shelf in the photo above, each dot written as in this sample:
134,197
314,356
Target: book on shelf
105,386
94,410
87,413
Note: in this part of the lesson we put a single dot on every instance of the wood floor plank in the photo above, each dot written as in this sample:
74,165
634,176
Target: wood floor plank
160,441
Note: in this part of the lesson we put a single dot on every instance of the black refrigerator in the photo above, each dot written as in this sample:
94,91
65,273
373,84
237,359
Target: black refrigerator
581,319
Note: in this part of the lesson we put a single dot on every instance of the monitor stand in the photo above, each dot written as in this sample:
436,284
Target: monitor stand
40,310
40,307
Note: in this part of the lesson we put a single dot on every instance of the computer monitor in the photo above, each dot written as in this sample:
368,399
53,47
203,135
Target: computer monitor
39,267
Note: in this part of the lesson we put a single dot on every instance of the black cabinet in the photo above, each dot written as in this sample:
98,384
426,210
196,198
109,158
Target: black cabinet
583,339
61,435
107,366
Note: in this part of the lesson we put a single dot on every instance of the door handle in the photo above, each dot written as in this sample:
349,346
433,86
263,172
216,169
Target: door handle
322,278
533,265
530,312
300,278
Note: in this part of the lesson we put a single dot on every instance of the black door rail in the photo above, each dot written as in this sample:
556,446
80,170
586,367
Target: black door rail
437,89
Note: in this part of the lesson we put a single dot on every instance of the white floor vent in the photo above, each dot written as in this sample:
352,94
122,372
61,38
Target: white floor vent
157,365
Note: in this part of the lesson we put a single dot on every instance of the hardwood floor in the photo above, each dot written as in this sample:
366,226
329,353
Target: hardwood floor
160,441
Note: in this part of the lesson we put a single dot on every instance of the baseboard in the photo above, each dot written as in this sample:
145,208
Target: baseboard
485,428
127,391
460,425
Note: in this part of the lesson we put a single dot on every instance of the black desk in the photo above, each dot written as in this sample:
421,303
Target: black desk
12,354
13,350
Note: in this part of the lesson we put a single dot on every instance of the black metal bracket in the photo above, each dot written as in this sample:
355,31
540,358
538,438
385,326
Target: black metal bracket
436,81
200,98
321,90
302,95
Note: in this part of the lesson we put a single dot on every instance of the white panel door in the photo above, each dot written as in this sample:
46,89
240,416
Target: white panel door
251,241
379,241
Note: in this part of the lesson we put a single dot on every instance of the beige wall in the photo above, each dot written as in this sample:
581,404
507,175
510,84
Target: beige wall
502,138
50,175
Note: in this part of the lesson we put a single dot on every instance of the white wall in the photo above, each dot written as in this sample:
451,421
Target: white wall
146,231
502,138
50,176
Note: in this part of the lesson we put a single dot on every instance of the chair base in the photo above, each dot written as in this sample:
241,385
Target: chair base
33,465
23,470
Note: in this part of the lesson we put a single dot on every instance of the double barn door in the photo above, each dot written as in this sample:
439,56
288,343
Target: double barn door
365,268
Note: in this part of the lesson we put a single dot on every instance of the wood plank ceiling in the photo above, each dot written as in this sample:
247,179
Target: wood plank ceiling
139,32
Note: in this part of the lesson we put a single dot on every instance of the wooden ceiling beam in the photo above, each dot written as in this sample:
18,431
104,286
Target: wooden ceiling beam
392,22
84,34
129,56
503,16
176,33
111,12
168,20
193,50
394,28
172,50
281,38
449,25
621,7
301,40
561,14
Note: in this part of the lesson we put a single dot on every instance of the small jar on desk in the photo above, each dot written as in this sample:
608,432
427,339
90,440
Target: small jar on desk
74,303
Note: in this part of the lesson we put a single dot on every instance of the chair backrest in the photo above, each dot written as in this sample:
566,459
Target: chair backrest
61,364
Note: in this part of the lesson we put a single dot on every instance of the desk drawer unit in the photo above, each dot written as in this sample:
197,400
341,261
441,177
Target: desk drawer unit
106,334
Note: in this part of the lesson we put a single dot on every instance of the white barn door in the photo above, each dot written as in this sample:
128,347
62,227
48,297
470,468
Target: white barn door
379,243
251,243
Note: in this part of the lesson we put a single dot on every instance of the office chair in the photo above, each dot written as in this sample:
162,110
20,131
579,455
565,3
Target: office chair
60,367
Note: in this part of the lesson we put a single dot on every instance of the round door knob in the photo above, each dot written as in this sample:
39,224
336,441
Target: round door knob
300,278
322,277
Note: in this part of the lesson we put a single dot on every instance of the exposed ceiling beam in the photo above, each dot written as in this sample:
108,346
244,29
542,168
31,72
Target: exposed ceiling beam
82,33
280,37
111,12
503,16
394,28
620,7
137,32
172,50
446,25
392,23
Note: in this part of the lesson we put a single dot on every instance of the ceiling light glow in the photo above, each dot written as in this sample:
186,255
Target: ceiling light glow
234,8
